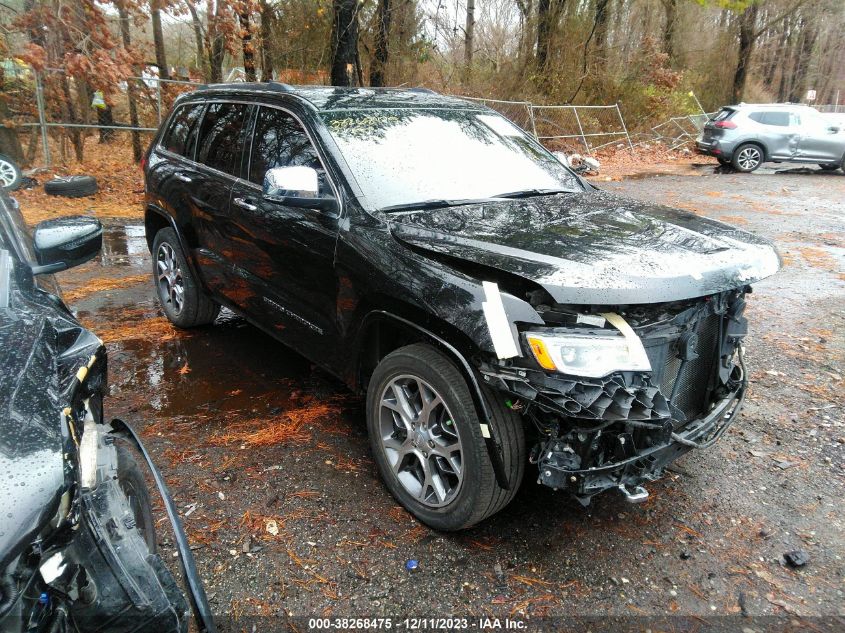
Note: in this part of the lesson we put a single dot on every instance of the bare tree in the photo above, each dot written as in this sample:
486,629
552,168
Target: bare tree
378,67
345,64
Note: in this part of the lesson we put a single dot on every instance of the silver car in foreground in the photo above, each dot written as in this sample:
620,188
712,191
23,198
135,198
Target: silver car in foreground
748,135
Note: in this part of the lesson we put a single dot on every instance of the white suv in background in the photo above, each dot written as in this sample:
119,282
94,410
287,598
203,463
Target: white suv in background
747,135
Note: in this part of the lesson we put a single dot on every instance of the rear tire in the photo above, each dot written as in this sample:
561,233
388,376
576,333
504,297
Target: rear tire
71,186
409,459
10,173
747,157
724,162
179,293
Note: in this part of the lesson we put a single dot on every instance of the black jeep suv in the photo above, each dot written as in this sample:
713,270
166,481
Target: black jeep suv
495,308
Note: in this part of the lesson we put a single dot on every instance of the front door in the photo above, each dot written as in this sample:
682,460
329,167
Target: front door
291,249
822,141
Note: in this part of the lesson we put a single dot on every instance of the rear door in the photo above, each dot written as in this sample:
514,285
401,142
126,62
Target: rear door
219,152
290,251
819,142
778,133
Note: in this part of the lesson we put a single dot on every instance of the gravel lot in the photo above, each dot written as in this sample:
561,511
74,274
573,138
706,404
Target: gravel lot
267,456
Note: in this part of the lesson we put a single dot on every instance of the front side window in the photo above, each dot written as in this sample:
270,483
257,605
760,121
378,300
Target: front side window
220,138
404,156
178,137
280,141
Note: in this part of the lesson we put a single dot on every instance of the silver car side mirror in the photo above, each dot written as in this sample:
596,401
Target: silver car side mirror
291,182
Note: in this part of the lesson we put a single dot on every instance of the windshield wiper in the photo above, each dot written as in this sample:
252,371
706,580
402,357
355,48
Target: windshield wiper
438,203
528,193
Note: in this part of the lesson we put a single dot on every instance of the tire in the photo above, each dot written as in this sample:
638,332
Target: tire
132,483
476,495
180,295
748,157
724,162
829,166
72,186
10,173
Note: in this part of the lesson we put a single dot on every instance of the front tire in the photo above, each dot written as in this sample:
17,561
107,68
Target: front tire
747,157
426,439
179,293
829,166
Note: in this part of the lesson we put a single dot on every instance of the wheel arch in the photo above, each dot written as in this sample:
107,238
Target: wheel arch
156,219
382,331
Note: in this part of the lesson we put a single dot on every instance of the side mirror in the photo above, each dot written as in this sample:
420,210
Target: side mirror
833,129
296,186
63,243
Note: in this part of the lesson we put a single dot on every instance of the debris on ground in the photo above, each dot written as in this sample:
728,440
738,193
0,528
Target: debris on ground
796,558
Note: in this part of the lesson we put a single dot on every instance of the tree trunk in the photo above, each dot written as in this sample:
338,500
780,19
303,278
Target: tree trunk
747,39
123,16
543,32
215,44
247,46
802,66
344,43
548,14
378,67
266,30
202,66
469,37
602,18
671,9
158,39
105,117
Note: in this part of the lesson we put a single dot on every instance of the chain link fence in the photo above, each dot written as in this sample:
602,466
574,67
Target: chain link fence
58,111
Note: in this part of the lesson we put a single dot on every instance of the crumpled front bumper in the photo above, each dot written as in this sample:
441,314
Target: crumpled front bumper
629,471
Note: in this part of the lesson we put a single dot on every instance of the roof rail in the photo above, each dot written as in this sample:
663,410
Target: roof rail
274,86
426,91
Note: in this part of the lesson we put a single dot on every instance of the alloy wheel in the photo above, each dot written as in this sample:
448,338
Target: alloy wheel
8,174
749,158
171,286
420,440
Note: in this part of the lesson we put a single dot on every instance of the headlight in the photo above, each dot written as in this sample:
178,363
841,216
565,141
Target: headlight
588,355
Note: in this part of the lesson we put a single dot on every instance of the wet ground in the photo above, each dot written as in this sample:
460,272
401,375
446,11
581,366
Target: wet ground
268,460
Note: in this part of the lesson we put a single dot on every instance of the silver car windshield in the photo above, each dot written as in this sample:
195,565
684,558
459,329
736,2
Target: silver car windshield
403,156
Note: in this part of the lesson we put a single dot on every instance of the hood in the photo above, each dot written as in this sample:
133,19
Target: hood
595,247
32,476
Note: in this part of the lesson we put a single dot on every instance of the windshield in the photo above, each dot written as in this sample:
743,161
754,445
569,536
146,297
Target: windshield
402,156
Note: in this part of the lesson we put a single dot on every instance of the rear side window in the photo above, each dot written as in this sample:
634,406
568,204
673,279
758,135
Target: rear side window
219,144
280,141
178,138
780,119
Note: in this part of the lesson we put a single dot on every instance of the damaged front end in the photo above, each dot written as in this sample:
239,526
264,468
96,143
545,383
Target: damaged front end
622,428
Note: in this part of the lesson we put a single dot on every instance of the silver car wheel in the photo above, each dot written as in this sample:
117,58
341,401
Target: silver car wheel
420,441
171,287
749,158
8,173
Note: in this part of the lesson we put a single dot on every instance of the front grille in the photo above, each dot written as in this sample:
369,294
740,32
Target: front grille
693,377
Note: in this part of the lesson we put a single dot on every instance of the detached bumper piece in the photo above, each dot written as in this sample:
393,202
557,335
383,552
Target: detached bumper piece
113,582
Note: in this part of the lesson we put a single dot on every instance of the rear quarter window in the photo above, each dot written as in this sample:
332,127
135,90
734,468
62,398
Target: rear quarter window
182,130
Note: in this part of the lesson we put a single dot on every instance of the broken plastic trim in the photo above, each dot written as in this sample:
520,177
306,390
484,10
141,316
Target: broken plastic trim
196,593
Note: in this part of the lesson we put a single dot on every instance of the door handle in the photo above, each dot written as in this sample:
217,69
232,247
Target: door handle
243,203
184,178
